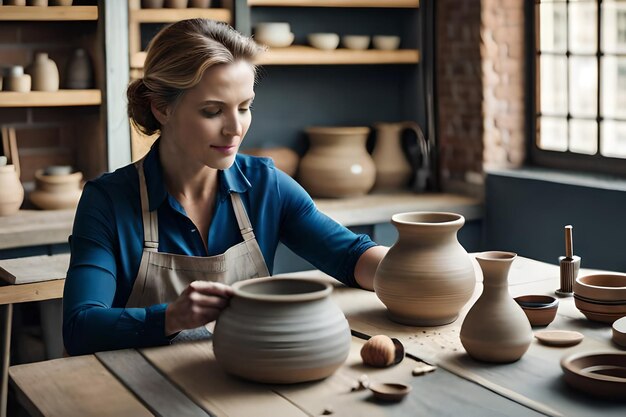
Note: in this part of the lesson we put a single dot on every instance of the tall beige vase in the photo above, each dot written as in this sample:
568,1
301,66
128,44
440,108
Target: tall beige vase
11,191
44,73
496,328
337,163
281,330
393,170
427,276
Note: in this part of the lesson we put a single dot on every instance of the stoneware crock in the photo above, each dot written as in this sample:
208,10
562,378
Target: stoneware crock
281,330
427,276
496,328
56,192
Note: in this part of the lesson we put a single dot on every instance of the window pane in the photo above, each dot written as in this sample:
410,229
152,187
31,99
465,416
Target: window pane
552,133
613,142
614,26
583,136
553,27
553,83
583,28
614,87
583,86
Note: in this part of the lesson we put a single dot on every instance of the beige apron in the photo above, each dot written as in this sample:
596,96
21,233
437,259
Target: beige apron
162,277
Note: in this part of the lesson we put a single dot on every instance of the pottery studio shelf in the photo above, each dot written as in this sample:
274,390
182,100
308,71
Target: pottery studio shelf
59,98
32,13
174,15
35,227
306,55
336,3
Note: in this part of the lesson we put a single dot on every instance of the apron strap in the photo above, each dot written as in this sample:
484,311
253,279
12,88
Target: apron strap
150,220
245,227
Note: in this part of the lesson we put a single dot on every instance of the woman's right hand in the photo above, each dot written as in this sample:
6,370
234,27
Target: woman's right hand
200,303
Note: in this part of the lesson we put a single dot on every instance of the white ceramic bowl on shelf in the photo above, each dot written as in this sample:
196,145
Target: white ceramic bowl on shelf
324,41
357,42
385,42
274,34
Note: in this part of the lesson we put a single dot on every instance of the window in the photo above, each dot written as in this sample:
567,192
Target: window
579,115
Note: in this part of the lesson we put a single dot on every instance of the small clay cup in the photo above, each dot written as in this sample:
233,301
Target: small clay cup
540,309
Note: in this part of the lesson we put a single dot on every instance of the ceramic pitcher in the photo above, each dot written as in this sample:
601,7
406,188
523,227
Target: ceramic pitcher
11,191
496,328
281,330
427,276
337,163
44,73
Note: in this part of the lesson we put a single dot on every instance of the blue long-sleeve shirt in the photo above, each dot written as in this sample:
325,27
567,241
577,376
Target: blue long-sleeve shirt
107,244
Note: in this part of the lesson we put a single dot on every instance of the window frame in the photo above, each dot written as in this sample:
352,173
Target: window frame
565,160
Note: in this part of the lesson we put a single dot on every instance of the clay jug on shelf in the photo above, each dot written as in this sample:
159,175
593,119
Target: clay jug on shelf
79,71
11,190
284,158
337,163
44,73
281,330
427,276
393,170
496,328
56,192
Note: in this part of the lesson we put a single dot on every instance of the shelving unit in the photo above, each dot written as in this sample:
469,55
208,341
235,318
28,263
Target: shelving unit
56,13
59,98
336,3
306,55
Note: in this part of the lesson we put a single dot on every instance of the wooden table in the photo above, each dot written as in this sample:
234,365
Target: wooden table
185,379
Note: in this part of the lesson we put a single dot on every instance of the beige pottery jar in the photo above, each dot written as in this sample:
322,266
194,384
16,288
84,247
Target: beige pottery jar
11,191
427,276
44,73
337,163
496,328
281,330
284,158
56,192
393,170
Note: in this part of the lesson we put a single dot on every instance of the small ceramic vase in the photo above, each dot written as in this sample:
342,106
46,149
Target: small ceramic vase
284,159
56,192
11,191
496,328
427,276
337,163
17,80
44,73
79,71
281,330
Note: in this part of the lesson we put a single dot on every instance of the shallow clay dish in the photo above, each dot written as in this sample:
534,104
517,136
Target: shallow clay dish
602,317
388,391
599,307
619,332
601,287
599,374
559,337
540,309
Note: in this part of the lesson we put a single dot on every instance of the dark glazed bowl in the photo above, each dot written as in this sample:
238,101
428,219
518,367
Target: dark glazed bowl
540,309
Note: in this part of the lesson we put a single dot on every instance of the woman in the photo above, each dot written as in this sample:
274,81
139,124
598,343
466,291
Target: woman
156,244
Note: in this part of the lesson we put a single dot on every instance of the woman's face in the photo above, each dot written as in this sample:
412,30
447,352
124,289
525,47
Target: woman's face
209,122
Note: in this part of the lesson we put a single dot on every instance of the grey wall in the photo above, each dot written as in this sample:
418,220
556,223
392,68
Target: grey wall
527,216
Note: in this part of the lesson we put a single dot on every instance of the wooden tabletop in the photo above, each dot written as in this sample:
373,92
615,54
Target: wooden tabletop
86,385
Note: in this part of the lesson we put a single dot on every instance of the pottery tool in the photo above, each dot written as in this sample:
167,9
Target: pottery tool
569,264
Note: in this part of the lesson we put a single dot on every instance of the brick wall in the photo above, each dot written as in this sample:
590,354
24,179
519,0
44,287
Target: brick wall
480,89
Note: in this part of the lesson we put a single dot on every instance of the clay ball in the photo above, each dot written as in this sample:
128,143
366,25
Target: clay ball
378,351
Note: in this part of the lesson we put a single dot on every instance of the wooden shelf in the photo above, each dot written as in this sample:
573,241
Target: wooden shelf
174,15
35,227
306,55
32,13
378,208
337,3
51,98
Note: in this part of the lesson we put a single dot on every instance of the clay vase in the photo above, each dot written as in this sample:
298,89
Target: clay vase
393,170
79,71
281,330
11,191
44,73
17,81
285,159
427,276
56,192
496,328
337,163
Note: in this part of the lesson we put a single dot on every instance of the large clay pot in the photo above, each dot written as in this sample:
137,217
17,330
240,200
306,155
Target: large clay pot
337,163
427,276
496,328
11,191
285,159
79,71
44,73
56,192
281,330
393,170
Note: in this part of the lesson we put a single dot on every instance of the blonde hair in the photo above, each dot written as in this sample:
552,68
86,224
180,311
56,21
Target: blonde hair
176,60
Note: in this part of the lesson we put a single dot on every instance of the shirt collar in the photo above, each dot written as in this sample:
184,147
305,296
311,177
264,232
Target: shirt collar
230,180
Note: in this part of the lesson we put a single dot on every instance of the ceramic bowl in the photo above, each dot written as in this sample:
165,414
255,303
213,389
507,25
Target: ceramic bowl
619,332
386,43
386,391
600,308
275,40
599,374
601,287
58,170
324,41
357,42
540,309
602,317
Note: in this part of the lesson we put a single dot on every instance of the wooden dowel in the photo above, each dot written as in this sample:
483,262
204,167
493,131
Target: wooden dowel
569,243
